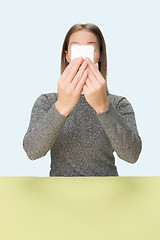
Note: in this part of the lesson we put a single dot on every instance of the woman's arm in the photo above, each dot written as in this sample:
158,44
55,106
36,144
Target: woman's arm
44,127
120,126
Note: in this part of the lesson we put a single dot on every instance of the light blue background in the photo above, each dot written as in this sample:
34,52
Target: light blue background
31,38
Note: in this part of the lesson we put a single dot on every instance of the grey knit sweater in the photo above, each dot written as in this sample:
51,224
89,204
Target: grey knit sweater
82,143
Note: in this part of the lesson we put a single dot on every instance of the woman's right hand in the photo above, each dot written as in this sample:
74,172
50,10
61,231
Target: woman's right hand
70,85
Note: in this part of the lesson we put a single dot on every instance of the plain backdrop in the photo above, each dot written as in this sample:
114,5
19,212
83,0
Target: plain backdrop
31,38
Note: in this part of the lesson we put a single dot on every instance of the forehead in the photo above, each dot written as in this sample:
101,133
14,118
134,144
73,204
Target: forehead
83,37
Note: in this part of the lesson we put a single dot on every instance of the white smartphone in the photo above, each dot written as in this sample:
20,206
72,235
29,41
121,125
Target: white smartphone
82,50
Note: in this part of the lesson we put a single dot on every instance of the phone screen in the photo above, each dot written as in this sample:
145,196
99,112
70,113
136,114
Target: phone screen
82,50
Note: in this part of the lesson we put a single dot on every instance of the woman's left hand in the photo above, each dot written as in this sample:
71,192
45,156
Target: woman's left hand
95,88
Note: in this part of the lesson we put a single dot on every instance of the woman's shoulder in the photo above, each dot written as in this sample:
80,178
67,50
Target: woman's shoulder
120,102
49,97
116,98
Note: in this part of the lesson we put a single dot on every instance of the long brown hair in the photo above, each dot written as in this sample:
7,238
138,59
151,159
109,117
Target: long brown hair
102,46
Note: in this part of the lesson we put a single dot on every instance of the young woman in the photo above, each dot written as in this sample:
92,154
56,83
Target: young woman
83,124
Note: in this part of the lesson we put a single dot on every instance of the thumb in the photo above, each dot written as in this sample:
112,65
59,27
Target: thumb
97,66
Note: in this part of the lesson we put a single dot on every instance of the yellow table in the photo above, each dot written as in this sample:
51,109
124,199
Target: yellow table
80,208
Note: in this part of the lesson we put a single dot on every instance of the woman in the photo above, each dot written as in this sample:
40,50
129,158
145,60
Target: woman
83,124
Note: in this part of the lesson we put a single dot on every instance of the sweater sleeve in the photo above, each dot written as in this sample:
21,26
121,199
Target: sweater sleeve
44,127
120,126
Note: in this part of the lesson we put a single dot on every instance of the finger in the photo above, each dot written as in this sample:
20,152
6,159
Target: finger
74,70
93,78
97,66
89,83
94,69
81,83
85,88
79,74
74,63
67,69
